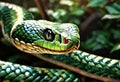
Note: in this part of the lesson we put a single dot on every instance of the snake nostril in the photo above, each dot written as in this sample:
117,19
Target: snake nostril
65,40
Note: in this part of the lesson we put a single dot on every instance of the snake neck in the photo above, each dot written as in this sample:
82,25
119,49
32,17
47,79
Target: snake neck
11,16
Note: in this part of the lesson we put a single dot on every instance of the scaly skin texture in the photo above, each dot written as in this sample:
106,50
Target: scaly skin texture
25,33
38,37
90,63
20,73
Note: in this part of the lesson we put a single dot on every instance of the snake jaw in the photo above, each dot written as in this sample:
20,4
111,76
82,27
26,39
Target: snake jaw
56,47
45,37
35,49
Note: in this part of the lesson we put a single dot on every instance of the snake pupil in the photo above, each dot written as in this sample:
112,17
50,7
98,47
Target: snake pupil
48,35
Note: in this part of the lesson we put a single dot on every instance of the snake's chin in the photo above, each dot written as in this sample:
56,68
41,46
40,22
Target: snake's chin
33,49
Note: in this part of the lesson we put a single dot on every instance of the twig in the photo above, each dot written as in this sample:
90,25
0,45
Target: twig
76,70
41,9
86,24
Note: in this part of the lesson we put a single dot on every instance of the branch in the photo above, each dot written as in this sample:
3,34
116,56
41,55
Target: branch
41,9
76,70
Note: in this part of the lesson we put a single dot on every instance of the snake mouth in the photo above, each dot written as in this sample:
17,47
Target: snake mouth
56,47
49,51
33,48
71,48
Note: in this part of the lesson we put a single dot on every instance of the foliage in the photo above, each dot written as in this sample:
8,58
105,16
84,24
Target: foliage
99,40
66,11
97,3
112,41
114,11
77,11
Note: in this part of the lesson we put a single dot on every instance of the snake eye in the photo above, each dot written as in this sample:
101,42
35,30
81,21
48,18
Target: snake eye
48,35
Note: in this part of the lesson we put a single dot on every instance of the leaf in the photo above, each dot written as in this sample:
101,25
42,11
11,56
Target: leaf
97,47
116,34
99,40
59,13
77,12
117,6
97,3
112,10
108,16
115,48
34,10
74,20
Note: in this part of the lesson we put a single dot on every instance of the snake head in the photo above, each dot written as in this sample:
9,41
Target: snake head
46,37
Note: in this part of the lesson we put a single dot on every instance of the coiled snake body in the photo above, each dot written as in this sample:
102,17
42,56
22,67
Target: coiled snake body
40,37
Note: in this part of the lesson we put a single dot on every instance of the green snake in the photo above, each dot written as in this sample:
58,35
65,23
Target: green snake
56,41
